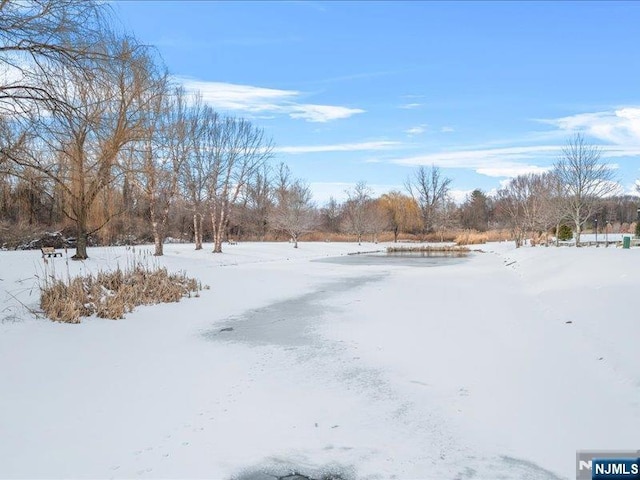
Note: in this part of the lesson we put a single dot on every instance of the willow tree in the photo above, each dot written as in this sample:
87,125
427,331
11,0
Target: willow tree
106,113
402,212
36,35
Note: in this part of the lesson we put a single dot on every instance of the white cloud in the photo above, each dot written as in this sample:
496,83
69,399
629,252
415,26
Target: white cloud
256,100
620,127
492,162
417,130
459,196
410,106
423,128
340,147
322,113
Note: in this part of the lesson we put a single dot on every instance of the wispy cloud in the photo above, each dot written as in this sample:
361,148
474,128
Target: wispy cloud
459,196
620,126
260,100
424,128
320,113
492,162
340,147
417,130
410,106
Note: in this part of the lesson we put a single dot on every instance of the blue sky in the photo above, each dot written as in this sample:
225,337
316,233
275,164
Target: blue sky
368,91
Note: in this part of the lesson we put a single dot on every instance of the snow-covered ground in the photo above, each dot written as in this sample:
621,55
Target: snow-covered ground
500,366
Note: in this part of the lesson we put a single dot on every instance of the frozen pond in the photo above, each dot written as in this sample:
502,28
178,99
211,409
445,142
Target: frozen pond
286,323
400,259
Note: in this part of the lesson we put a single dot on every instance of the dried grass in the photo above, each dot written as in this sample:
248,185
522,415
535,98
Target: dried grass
113,294
472,237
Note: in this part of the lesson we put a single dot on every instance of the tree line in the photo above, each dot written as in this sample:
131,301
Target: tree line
96,137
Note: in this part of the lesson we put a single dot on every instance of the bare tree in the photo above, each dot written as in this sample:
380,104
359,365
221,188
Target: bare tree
161,157
446,216
585,180
377,219
355,207
513,202
108,114
331,216
239,150
257,200
294,212
35,36
200,166
429,189
553,204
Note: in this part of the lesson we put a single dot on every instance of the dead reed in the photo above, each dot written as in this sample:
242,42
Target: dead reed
112,294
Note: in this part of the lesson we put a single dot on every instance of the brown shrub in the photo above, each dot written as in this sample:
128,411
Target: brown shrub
113,294
473,237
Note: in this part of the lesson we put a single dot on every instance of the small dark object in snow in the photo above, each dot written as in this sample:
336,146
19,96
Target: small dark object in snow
335,426
568,321
227,329
601,358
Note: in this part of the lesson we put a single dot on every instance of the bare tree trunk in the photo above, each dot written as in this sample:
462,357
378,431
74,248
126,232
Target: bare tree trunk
295,241
578,230
395,235
81,234
557,234
157,239
81,247
197,230
218,228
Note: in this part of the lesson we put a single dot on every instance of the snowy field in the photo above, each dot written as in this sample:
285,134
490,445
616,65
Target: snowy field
499,366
